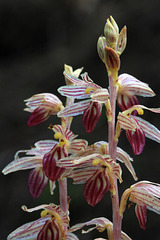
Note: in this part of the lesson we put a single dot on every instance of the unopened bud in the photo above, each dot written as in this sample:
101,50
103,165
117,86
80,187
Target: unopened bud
111,34
122,40
112,61
114,24
101,44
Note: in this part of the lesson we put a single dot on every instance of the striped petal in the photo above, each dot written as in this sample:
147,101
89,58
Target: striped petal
150,130
100,95
140,197
78,145
77,92
39,115
91,116
126,122
132,85
41,107
74,79
41,147
136,139
123,157
39,99
126,101
96,187
141,213
37,182
23,164
49,162
101,224
81,175
85,82
142,193
74,109
67,133
71,236
29,230
50,231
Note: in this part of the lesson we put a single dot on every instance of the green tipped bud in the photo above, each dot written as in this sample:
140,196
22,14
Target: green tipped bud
122,41
101,44
111,32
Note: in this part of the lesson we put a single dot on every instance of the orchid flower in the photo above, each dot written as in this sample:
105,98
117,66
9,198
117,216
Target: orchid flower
96,171
41,107
128,88
52,225
92,108
102,148
137,128
67,144
146,195
37,179
101,224
43,157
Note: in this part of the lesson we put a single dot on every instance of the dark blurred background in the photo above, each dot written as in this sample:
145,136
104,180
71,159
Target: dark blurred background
36,39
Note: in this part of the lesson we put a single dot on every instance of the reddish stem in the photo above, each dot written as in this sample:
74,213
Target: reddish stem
112,152
63,195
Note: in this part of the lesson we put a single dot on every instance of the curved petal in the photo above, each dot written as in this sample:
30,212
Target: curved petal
96,187
91,116
29,230
71,91
123,157
136,139
132,85
126,101
37,182
74,109
141,213
23,164
150,130
39,115
49,163
100,95
49,231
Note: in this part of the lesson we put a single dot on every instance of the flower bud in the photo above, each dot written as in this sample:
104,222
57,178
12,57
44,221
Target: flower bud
111,34
122,40
112,61
101,44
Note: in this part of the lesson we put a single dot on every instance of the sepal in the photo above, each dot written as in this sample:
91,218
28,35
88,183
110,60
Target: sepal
91,116
141,213
49,162
96,187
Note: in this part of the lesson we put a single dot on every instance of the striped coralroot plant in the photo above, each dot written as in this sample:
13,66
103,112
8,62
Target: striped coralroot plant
97,166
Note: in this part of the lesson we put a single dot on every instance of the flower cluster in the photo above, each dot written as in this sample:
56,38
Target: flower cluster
97,166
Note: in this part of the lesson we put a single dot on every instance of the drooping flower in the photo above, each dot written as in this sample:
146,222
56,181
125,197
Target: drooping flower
137,128
96,172
33,159
41,107
101,224
146,195
43,157
81,89
128,88
96,149
52,225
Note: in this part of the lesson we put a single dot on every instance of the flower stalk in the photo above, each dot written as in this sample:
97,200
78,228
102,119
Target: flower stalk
112,151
